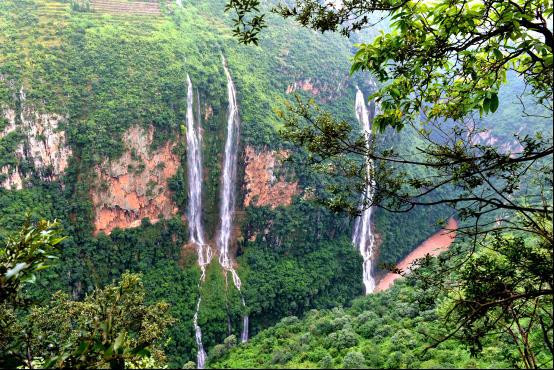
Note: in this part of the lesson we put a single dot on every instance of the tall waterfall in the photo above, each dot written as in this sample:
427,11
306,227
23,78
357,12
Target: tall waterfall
363,237
244,334
196,230
201,353
194,165
227,205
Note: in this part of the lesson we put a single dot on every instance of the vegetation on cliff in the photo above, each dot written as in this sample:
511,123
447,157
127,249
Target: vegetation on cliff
105,74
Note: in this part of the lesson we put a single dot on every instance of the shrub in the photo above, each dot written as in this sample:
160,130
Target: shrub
218,351
326,362
281,357
190,365
354,360
342,339
230,341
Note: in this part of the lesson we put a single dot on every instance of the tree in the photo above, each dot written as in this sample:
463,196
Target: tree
439,70
111,327
354,360
22,255
506,287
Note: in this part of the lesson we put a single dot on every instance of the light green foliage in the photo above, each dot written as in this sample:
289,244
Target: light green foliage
354,360
190,365
110,327
24,254
459,54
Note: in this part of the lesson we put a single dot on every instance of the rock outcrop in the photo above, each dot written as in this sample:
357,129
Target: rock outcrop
135,186
305,85
262,186
323,91
487,137
208,112
43,146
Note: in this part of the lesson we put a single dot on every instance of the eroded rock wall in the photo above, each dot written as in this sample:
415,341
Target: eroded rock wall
43,146
325,92
487,137
263,188
135,186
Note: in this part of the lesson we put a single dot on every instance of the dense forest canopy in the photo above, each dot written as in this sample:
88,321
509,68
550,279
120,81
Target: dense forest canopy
140,128
442,62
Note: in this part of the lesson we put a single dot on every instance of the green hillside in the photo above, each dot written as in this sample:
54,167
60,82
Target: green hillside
103,70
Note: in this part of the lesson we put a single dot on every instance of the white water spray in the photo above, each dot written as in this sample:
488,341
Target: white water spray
227,205
194,165
244,334
196,230
363,237
201,353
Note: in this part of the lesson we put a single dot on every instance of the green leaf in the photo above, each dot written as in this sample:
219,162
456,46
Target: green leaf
486,105
118,341
494,103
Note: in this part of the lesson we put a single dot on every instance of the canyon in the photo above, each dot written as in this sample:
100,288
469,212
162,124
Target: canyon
433,246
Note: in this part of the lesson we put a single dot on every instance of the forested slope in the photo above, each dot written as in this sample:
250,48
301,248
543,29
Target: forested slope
109,91
92,108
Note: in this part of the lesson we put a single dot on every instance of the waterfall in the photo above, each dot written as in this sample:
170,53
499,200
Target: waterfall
194,215
363,237
194,165
244,334
229,177
201,353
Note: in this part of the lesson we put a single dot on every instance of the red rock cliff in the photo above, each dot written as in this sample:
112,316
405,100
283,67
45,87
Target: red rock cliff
135,186
262,187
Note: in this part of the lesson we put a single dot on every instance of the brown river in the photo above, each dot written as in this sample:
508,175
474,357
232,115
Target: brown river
434,245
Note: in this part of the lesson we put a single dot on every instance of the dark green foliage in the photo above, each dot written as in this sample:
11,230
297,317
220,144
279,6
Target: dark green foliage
397,339
176,286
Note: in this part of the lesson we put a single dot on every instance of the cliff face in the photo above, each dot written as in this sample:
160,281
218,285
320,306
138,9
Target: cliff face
43,147
487,137
262,186
305,85
325,92
135,186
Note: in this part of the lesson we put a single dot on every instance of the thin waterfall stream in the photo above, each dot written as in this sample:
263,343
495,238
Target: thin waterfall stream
363,237
229,178
194,215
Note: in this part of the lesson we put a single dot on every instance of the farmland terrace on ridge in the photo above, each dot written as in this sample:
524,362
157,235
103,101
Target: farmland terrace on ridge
129,7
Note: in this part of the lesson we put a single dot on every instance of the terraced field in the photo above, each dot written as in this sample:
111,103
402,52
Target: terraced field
151,8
